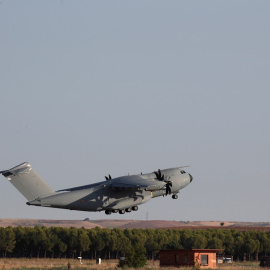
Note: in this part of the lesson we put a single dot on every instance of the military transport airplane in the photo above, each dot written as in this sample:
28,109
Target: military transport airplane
120,194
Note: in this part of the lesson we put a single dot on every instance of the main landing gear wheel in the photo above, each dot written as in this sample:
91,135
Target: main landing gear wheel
135,208
174,196
108,212
122,211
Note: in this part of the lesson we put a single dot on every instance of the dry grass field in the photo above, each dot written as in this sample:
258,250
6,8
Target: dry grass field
54,264
61,264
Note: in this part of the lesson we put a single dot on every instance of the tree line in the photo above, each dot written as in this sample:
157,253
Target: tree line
58,242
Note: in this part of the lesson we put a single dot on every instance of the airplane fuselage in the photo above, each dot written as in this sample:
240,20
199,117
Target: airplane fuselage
102,196
120,194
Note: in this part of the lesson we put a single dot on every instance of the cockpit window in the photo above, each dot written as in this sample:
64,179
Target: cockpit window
182,172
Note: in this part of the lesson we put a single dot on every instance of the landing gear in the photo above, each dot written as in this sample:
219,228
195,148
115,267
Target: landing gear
122,211
174,196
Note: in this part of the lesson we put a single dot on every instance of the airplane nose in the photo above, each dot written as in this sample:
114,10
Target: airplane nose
191,178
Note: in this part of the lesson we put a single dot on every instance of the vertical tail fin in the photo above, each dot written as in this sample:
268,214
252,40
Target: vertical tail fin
27,181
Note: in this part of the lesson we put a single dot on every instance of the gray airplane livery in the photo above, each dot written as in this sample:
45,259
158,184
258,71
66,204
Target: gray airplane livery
114,195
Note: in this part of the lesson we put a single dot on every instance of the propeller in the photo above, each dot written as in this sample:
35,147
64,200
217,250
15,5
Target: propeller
108,177
168,184
159,176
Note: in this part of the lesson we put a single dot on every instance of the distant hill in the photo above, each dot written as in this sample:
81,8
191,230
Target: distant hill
130,224
47,223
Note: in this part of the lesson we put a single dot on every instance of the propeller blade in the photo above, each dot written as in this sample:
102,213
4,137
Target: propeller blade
159,176
168,188
159,173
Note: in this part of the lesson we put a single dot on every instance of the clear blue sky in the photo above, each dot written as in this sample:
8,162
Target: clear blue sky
96,87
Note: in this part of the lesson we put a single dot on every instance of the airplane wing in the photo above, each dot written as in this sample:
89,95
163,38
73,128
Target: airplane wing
136,182
78,188
125,182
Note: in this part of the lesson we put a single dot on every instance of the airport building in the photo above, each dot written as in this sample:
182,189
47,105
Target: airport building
199,258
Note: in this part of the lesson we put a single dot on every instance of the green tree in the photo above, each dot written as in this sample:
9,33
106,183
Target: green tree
73,241
62,247
265,243
151,245
215,243
228,243
250,245
186,238
83,241
113,240
199,241
7,240
51,241
39,239
98,244
135,257
21,247
124,244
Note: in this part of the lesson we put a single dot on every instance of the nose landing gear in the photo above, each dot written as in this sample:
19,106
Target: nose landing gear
174,196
